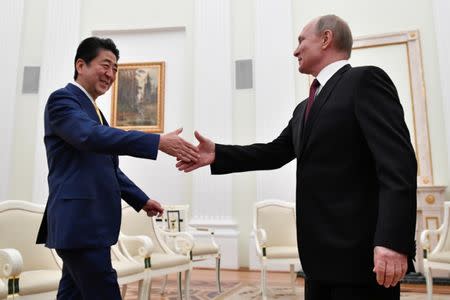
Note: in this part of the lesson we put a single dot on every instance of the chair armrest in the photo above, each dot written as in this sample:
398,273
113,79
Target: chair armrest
260,236
11,263
145,244
424,236
183,242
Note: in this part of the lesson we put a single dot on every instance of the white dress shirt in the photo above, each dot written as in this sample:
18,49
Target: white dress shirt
326,73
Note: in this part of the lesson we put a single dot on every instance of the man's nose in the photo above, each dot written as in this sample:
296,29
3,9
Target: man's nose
109,72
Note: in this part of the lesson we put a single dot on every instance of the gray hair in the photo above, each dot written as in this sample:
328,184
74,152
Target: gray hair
343,40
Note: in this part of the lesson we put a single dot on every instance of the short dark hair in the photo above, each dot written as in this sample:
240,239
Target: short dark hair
89,48
343,39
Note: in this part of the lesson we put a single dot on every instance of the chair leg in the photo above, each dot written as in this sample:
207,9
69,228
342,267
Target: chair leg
180,291
124,290
293,277
263,280
187,284
164,284
428,281
145,286
149,290
219,286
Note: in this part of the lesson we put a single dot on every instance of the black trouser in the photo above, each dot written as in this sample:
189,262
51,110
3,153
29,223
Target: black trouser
318,290
87,274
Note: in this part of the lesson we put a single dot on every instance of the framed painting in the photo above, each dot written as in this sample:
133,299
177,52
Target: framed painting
138,97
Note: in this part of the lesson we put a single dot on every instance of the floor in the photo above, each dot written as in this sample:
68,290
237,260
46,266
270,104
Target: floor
205,279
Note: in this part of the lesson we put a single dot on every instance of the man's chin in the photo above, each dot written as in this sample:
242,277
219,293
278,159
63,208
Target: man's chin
103,90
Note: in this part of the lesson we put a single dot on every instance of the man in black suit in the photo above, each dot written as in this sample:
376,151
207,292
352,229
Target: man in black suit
356,171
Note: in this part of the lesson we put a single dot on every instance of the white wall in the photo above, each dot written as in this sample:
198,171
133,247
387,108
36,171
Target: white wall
26,105
441,10
367,17
159,179
146,36
11,33
107,16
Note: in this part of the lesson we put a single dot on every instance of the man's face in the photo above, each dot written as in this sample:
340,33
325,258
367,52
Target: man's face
308,51
98,76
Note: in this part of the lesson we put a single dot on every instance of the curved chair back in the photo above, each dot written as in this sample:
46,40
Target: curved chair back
19,225
278,219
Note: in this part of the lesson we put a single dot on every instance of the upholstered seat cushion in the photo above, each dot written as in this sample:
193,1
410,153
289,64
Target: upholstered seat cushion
204,248
39,281
443,256
161,260
281,252
125,268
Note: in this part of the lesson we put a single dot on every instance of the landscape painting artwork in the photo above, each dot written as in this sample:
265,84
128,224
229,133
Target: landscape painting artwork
138,97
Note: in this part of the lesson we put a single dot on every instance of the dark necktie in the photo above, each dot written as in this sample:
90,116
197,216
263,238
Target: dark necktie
312,92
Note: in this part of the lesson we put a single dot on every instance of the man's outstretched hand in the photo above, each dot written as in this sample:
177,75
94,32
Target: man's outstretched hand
172,144
207,152
153,208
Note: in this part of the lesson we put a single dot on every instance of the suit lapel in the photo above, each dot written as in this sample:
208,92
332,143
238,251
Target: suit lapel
88,107
319,102
86,103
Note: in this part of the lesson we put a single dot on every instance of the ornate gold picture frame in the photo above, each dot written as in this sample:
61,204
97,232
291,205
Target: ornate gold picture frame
138,97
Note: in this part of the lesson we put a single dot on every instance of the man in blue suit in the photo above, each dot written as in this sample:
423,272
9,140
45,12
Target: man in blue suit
83,212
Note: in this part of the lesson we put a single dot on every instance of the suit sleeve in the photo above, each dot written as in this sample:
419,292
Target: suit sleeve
380,116
273,155
130,192
73,125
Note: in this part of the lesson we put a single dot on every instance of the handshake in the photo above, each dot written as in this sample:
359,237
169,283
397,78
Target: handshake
189,157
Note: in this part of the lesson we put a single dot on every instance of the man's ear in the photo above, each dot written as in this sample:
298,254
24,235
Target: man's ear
79,65
327,37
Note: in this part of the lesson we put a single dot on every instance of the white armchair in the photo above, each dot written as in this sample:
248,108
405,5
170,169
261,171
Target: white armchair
439,257
274,228
129,271
161,260
204,248
29,271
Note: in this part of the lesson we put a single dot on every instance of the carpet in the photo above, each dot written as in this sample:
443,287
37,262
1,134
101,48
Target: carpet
200,290
282,292
253,292
235,290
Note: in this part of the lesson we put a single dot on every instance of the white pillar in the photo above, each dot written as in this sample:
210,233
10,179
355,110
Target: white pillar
274,90
441,9
62,35
212,195
274,97
11,18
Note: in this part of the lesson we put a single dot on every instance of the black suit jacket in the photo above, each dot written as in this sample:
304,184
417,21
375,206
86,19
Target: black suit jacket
356,174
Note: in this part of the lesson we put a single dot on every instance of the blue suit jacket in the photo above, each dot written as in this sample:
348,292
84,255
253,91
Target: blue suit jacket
85,183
